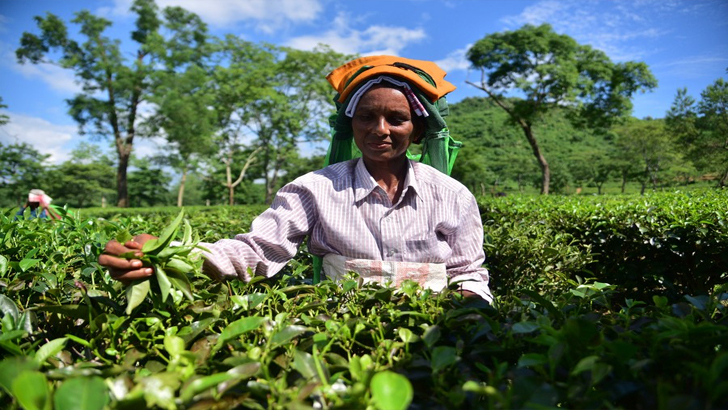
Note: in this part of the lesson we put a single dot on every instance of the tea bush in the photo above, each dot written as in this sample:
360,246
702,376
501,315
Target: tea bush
666,244
550,340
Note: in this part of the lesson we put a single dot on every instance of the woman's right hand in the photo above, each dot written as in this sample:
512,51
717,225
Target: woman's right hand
126,270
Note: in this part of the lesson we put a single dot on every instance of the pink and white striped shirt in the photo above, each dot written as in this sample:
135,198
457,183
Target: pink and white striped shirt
344,211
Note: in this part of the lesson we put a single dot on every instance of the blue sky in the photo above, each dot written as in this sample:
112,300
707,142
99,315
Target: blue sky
684,42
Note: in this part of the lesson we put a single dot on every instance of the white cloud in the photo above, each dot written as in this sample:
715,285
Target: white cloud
44,136
693,66
145,147
3,24
59,140
536,14
455,60
59,79
371,41
266,15
613,27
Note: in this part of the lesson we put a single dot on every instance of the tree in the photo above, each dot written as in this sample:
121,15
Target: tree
148,184
702,128
493,152
83,180
552,70
276,96
21,169
183,95
594,167
187,120
4,119
114,87
648,143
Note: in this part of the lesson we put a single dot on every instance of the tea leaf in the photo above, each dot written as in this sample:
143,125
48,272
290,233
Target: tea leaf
135,294
8,308
123,236
238,328
50,349
31,390
11,367
303,363
181,282
524,327
431,336
179,265
391,391
584,364
150,246
82,393
187,235
532,359
3,265
699,302
197,386
166,237
407,336
164,284
174,345
26,264
287,334
443,357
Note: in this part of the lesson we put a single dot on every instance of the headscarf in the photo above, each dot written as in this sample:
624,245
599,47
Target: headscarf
38,195
428,85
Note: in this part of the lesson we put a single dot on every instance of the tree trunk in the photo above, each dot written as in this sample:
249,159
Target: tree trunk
181,192
520,183
542,163
724,180
229,179
122,189
232,184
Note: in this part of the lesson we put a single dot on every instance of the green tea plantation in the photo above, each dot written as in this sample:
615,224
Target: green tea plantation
601,303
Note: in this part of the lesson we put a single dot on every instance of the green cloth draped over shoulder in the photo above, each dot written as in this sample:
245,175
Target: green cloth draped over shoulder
428,83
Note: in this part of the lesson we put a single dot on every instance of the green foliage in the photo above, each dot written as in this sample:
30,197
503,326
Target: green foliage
549,340
496,157
551,71
702,129
4,119
148,185
21,169
114,85
666,244
83,180
278,95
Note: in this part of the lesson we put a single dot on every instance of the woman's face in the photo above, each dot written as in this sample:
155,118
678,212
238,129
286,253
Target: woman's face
383,125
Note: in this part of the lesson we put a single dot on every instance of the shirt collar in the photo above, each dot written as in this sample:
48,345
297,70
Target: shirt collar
364,183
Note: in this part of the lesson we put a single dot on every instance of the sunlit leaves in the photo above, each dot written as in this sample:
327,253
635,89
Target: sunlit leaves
283,343
391,391
82,393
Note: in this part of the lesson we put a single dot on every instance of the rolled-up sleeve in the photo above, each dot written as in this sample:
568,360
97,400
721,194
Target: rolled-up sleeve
273,240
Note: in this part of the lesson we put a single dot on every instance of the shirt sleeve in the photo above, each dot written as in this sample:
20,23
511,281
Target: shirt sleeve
466,262
273,240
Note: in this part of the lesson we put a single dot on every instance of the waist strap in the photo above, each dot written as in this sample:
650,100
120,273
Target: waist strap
428,275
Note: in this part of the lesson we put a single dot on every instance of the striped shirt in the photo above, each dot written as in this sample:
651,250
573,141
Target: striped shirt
342,210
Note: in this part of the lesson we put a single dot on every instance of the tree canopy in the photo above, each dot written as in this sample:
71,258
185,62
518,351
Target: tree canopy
551,70
702,128
114,87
